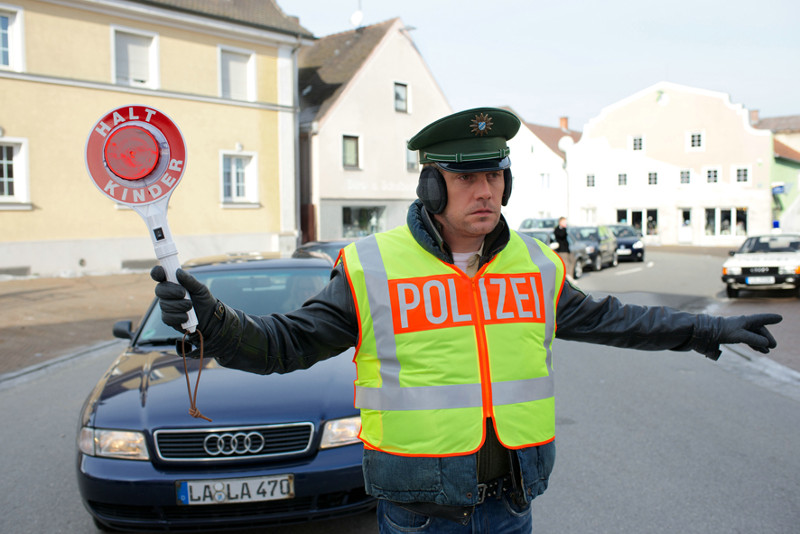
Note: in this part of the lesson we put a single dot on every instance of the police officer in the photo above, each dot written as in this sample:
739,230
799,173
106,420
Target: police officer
454,342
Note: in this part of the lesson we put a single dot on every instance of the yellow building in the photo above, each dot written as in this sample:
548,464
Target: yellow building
224,72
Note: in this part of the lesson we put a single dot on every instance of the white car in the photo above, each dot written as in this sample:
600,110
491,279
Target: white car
764,262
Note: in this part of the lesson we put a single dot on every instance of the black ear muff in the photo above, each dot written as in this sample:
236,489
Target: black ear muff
507,179
432,189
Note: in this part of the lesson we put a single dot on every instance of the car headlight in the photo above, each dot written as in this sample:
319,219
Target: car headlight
121,444
789,269
340,432
590,249
638,244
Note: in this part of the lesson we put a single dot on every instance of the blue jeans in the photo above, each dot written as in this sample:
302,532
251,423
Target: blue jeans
500,516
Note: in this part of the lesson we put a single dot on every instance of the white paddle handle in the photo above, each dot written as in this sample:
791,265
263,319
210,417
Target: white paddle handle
155,217
171,264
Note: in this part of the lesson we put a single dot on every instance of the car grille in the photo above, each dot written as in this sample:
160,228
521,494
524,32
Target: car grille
234,443
759,270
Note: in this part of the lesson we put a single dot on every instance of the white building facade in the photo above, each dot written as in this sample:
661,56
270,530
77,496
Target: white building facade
683,165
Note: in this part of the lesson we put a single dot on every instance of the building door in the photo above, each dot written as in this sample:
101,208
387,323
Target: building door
684,225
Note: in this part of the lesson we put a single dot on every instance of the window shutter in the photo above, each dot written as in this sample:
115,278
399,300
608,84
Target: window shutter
234,75
132,54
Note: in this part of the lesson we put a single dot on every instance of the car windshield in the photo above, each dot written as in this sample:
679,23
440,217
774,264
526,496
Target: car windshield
624,231
771,243
258,292
587,233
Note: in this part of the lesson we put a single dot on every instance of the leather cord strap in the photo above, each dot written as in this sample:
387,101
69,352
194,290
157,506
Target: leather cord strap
193,411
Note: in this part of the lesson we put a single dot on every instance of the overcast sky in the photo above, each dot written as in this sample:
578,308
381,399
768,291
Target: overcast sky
547,59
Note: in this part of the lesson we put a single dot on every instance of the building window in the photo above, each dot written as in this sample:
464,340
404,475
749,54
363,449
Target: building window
6,172
637,142
590,180
686,176
13,174
652,178
652,222
544,181
239,181
742,175
412,163
237,74
401,97
712,176
622,216
726,221
622,179
11,39
359,221
350,152
695,141
135,59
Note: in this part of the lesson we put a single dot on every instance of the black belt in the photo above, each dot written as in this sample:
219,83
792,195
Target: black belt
494,489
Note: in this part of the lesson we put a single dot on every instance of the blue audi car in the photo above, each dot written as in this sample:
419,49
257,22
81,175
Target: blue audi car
279,449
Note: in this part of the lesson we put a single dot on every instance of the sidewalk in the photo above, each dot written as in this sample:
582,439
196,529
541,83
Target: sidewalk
44,318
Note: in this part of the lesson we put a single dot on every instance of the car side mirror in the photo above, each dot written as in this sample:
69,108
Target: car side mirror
123,329
731,252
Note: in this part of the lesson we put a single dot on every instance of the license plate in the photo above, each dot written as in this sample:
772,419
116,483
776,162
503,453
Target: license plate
235,490
755,280
624,251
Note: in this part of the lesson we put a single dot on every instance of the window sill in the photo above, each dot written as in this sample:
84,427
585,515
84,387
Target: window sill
16,206
227,205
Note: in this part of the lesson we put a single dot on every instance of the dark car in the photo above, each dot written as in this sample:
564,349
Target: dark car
280,448
328,249
764,262
629,242
548,238
597,243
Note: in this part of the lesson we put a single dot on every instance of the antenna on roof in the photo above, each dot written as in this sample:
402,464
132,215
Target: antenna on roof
357,16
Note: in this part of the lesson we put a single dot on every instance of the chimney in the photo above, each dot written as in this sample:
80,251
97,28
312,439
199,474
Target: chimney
563,122
753,116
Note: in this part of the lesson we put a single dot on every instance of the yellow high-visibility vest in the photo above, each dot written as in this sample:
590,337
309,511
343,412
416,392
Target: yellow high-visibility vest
440,351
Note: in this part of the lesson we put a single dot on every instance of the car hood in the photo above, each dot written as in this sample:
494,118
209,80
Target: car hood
763,258
148,390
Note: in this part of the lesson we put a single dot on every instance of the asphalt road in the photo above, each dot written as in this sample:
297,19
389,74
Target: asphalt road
647,442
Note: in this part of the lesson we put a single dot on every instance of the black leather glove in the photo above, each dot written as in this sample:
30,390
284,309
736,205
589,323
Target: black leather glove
174,306
748,329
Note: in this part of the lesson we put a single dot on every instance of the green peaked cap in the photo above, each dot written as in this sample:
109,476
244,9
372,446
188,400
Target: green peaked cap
469,135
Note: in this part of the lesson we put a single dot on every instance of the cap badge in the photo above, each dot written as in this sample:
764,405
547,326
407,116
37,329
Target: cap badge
481,124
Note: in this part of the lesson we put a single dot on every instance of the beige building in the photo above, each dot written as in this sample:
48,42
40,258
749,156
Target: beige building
224,72
363,93
682,164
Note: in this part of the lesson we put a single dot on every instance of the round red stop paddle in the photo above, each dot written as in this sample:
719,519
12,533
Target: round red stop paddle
136,156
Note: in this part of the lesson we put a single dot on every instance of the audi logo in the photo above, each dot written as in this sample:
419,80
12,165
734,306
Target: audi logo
759,269
228,444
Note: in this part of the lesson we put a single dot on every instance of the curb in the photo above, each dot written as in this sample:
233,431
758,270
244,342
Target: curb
764,371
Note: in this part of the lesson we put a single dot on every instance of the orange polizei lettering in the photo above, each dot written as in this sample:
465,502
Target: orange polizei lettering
447,301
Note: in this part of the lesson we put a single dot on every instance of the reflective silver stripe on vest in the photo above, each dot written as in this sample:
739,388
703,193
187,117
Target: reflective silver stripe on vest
377,283
391,396
549,272
420,398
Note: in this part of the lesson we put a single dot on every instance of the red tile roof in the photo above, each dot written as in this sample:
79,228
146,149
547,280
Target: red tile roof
784,151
